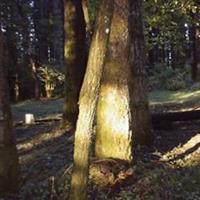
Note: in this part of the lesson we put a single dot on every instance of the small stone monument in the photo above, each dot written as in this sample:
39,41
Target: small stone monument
29,119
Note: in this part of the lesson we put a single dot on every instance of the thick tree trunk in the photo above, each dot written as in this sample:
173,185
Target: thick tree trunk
114,133
140,110
8,155
75,59
88,101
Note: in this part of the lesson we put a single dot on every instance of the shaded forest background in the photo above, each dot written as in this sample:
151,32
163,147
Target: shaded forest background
34,31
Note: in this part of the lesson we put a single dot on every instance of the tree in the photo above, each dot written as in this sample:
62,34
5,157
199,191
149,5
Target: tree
114,122
88,100
75,58
122,112
9,166
140,111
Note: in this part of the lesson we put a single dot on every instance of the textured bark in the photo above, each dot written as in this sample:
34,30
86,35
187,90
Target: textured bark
8,155
140,111
75,59
114,134
88,100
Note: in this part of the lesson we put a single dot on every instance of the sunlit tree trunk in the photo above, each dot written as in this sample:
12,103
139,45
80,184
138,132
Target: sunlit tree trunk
140,111
88,100
75,58
114,123
8,154
122,112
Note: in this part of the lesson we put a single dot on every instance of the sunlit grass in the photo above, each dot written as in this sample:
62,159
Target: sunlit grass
53,108
41,109
174,97
169,96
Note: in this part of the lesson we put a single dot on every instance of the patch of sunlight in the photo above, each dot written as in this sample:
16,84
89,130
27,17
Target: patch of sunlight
186,154
165,97
38,140
113,124
41,109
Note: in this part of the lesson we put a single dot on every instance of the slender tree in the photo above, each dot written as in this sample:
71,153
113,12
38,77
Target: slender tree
88,100
140,111
8,155
75,58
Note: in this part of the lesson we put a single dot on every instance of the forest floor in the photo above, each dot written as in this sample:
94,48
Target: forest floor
169,170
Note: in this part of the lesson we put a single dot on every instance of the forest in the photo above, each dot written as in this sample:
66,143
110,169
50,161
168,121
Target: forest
99,99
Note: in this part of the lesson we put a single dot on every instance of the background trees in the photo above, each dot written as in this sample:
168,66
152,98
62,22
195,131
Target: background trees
36,38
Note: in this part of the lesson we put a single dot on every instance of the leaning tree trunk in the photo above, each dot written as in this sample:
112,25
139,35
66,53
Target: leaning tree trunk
75,59
113,126
8,154
140,111
88,100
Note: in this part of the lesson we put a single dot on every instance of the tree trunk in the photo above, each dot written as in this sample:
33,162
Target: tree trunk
88,100
75,59
8,155
114,133
140,111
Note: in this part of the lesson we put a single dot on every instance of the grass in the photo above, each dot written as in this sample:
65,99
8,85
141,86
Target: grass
41,109
53,107
174,97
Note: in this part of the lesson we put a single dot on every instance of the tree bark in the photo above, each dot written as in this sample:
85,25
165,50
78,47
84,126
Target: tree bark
140,111
8,155
88,101
114,131
75,59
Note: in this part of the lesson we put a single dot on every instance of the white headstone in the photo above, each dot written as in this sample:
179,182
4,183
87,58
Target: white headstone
29,118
